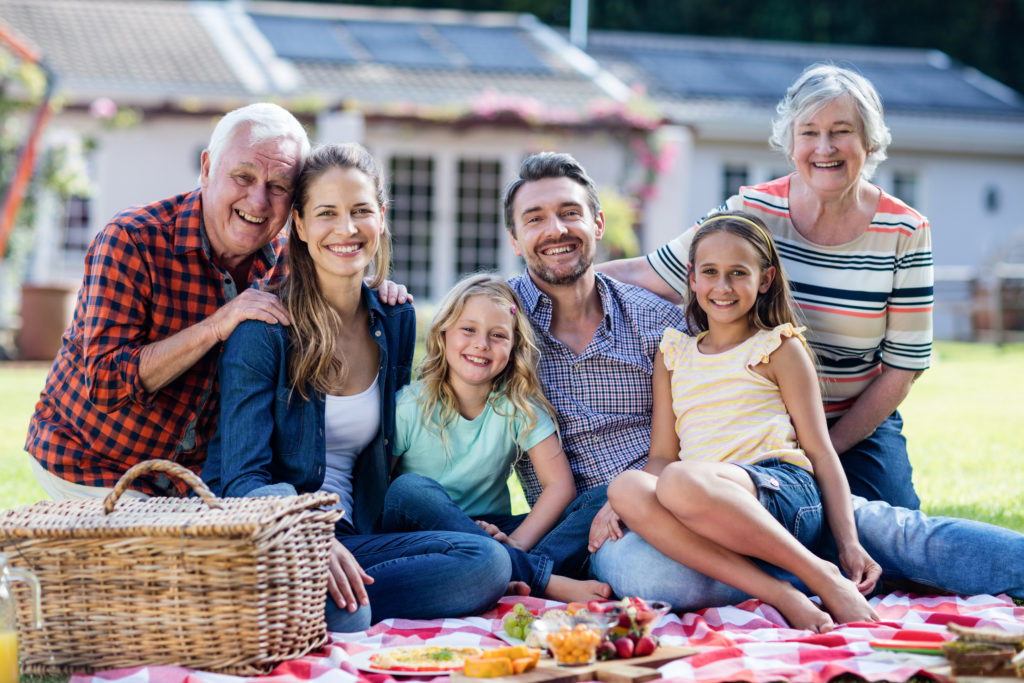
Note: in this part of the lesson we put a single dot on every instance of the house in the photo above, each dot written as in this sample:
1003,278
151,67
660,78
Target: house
451,101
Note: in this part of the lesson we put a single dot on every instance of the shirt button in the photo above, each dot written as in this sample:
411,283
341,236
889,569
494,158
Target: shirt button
386,442
377,333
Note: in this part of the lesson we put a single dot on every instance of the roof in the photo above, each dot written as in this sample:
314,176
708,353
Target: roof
416,62
684,73
383,56
112,48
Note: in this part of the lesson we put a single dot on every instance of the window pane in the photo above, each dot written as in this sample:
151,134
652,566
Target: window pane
77,234
412,219
732,178
479,229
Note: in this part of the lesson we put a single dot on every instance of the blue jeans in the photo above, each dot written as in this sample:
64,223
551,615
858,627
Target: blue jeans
792,497
415,503
878,468
424,575
957,555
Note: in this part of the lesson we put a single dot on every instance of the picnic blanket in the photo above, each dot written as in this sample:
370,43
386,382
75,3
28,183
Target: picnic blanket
745,642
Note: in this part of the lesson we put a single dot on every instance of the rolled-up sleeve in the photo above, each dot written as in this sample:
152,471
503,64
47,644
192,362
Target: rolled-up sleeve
116,293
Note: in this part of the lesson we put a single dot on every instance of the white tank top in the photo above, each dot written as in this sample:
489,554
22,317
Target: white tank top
351,423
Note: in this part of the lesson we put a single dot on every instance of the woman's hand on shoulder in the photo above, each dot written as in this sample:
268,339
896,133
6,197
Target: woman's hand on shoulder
392,293
346,580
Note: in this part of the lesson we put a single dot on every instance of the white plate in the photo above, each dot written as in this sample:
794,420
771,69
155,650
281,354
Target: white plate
361,661
501,635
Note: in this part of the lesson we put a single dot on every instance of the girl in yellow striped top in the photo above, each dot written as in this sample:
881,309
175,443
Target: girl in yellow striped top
741,465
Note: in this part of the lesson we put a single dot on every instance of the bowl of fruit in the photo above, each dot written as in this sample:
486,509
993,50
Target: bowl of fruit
632,624
573,640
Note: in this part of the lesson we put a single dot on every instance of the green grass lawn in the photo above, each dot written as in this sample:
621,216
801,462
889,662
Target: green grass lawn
963,424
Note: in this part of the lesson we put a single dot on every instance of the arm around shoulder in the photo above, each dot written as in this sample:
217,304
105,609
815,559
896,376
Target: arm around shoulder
638,271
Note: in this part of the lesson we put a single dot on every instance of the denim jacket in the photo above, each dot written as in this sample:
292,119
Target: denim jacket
270,441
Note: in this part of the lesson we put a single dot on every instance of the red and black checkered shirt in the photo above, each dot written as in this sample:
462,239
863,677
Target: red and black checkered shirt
148,275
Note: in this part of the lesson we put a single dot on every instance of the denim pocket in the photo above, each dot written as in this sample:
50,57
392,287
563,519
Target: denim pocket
792,497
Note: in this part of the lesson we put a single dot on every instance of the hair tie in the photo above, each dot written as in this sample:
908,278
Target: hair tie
727,216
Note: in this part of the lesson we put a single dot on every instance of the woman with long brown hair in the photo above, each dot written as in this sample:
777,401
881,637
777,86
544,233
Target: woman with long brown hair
311,406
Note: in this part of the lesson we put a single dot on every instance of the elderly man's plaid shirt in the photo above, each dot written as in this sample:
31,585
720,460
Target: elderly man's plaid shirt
605,427
147,276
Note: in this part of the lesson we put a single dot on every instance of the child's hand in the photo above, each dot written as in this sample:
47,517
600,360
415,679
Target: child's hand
496,533
605,526
859,566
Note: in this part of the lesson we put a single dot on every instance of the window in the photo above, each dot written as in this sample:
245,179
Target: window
479,230
412,222
732,178
77,235
904,186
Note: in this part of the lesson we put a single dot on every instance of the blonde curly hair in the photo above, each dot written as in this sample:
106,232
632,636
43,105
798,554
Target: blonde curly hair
517,382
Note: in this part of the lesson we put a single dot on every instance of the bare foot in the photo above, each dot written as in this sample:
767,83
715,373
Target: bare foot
801,613
517,588
564,589
842,599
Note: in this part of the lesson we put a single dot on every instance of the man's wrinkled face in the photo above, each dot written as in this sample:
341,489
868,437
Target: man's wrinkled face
247,196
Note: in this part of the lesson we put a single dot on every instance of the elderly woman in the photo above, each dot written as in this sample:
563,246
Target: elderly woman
860,264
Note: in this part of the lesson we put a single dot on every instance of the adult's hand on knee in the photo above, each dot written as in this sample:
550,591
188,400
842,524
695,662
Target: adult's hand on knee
606,525
860,568
346,579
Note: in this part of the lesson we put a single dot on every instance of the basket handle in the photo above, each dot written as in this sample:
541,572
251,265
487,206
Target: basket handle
167,467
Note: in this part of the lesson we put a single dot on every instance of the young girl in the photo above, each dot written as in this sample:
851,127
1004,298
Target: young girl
739,440
458,431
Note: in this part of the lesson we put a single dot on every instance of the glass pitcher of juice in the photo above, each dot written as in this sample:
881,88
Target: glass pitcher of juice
8,617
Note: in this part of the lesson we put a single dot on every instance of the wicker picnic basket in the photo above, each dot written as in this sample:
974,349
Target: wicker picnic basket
234,585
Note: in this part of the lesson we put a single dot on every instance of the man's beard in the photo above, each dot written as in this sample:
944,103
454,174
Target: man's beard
545,274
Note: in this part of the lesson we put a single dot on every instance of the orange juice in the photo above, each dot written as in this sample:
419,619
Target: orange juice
8,657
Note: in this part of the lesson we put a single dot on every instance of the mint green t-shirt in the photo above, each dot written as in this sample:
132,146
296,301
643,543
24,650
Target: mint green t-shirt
478,459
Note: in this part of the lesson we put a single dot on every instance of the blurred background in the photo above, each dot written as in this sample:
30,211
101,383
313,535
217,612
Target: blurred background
109,103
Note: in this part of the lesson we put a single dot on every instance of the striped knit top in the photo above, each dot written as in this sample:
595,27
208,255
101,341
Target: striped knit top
725,411
865,303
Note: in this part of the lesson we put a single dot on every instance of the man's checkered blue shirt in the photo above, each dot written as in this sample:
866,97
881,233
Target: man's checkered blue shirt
603,397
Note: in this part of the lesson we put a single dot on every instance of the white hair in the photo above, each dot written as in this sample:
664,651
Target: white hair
265,121
819,85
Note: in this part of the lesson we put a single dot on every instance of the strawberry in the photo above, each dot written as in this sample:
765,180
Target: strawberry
624,647
607,650
645,646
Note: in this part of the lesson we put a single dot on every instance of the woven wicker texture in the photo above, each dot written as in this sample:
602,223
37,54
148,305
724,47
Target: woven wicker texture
237,589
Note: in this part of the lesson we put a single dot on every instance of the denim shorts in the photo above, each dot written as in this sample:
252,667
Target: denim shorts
792,497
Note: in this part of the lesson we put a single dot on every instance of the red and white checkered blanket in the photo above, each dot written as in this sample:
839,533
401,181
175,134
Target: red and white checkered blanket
746,642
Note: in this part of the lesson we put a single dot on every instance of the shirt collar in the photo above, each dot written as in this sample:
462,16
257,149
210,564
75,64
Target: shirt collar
538,304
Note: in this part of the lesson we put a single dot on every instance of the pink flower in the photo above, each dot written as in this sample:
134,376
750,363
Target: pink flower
103,108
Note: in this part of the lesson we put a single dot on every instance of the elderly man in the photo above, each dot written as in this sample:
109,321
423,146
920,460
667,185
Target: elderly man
164,285
598,339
